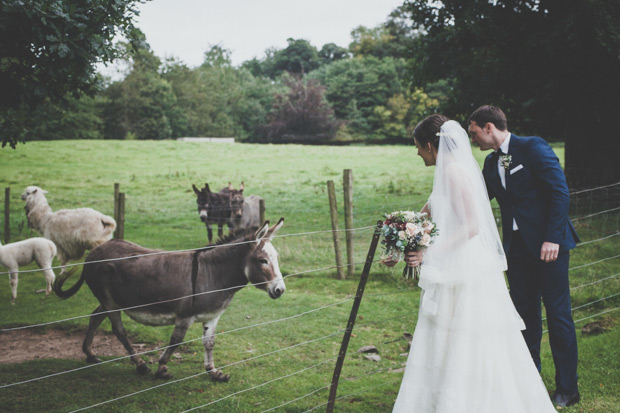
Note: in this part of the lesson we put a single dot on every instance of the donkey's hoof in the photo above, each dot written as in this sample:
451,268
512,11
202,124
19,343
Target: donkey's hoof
143,369
93,359
163,375
217,375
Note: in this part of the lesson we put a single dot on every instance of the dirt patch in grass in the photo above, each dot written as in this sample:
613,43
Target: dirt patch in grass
24,345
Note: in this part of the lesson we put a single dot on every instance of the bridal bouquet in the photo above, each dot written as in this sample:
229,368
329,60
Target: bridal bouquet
406,231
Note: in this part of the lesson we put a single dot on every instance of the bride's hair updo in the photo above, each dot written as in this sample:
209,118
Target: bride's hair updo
428,130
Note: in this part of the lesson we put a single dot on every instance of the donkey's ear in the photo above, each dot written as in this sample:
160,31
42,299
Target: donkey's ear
206,189
273,230
196,190
230,187
262,231
241,187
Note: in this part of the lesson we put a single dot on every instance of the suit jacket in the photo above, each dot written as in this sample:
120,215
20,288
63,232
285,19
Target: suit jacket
536,195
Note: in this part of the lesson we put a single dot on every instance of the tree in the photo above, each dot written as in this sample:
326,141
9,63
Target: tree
143,104
330,52
356,86
301,115
551,65
76,118
48,49
396,120
299,57
217,56
378,42
220,100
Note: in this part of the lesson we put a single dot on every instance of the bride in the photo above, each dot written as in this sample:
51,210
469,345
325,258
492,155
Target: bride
467,353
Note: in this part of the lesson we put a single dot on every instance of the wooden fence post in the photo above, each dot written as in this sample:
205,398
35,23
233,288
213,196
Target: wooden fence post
347,183
116,218
120,223
356,305
331,193
7,215
261,213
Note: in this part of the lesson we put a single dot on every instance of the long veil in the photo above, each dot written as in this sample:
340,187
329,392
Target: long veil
467,352
459,205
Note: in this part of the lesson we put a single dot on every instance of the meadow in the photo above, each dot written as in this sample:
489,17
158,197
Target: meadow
271,362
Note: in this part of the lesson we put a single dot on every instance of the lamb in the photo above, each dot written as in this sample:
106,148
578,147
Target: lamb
73,230
17,254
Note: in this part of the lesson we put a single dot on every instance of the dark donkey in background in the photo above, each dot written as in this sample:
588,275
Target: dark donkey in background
213,208
175,288
229,207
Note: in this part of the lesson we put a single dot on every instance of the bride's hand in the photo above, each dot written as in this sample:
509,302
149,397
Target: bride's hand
414,258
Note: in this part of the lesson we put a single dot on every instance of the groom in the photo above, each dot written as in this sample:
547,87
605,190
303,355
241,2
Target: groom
525,176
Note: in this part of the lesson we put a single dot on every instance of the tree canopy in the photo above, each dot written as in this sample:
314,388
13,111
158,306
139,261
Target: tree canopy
48,49
296,93
552,65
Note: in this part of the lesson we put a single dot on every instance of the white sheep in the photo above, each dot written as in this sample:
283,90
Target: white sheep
73,230
18,254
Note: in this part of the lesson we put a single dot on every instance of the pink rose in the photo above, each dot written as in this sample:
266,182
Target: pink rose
411,229
426,240
428,227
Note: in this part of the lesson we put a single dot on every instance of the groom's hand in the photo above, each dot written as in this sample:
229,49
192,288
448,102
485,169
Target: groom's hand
549,251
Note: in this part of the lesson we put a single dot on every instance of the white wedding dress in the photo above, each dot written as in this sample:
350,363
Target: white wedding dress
467,353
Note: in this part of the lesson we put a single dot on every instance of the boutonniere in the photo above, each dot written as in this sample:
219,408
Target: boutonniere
506,160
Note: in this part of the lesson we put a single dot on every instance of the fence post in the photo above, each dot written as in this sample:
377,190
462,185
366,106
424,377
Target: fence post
7,215
331,192
347,183
116,218
120,223
261,211
356,305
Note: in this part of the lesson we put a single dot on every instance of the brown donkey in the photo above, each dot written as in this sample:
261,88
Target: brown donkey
174,288
213,208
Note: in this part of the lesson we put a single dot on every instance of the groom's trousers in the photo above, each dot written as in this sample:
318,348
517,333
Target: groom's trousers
531,280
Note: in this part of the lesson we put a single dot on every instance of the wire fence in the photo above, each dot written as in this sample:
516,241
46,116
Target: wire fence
590,267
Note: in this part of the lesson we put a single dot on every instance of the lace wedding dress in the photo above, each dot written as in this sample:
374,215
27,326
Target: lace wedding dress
467,353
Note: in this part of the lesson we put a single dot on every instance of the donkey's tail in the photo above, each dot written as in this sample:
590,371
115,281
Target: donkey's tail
57,286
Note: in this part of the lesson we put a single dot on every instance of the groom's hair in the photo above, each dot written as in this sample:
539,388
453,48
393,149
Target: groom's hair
428,129
487,113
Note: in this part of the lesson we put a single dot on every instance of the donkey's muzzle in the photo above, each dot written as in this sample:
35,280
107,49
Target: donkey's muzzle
277,290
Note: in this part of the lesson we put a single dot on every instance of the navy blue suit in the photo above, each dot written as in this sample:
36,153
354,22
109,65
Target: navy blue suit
536,197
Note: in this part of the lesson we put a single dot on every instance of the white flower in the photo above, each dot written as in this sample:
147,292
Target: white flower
505,161
426,240
402,235
411,229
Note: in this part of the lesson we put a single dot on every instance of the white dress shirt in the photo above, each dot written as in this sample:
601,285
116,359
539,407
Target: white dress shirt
502,172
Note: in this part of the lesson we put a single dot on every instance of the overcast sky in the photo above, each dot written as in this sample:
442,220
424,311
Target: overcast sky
185,29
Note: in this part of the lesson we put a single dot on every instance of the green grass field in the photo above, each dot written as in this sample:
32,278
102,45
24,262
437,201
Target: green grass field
156,177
